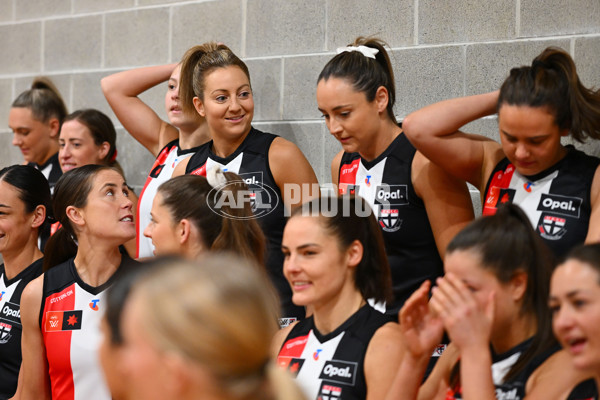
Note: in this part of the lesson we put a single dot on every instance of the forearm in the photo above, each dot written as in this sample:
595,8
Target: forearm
132,82
408,380
476,374
446,117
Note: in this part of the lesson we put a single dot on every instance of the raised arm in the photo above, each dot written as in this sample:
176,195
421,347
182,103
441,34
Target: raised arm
420,332
446,198
35,382
292,171
434,131
142,122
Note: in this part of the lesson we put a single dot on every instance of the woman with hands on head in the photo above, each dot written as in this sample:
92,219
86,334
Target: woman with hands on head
170,142
216,85
557,186
492,302
418,205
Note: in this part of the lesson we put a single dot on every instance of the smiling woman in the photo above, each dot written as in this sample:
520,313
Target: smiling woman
24,208
62,309
216,84
334,262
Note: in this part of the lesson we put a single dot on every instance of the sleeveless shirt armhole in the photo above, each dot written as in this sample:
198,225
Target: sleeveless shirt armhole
41,313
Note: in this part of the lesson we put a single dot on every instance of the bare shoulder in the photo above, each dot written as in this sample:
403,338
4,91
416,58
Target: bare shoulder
279,339
181,167
552,380
31,299
335,167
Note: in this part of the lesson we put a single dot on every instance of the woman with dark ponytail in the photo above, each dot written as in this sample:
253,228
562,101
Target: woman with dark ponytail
192,214
62,309
419,207
493,304
35,117
24,210
557,186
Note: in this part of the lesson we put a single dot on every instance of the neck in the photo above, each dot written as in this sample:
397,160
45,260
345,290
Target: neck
516,332
190,138
52,150
16,261
96,263
223,147
381,140
329,315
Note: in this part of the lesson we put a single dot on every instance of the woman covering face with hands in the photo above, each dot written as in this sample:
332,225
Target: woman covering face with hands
492,302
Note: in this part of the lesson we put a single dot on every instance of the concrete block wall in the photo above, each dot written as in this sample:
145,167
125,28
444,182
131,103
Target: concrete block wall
439,48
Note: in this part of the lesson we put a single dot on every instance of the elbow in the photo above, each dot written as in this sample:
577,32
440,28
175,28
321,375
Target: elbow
105,85
412,130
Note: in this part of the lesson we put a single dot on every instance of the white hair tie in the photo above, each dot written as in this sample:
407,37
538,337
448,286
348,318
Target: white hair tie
216,177
364,50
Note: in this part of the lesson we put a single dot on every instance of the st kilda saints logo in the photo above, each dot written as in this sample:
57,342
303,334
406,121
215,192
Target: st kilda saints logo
387,200
10,316
555,210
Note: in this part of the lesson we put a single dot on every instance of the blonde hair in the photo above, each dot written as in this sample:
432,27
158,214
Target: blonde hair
220,313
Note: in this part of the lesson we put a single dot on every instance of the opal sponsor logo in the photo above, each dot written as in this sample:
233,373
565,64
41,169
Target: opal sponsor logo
392,195
561,205
11,312
339,371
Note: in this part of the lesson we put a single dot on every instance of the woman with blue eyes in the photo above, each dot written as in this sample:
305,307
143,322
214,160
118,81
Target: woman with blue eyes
216,84
493,304
419,207
556,185
61,310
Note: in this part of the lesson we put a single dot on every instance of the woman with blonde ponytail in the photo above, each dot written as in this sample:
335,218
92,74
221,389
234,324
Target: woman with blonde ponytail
211,341
216,85
192,214
538,104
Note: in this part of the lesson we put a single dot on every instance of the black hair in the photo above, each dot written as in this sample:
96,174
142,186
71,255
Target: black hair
507,244
552,82
363,73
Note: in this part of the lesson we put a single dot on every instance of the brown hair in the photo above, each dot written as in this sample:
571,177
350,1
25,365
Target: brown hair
197,63
552,82
507,244
72,189
350,218
363,73
102,130
192,197
43,99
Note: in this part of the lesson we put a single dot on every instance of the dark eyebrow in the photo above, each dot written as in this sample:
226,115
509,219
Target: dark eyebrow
529,138
337,107
112,185
4,205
